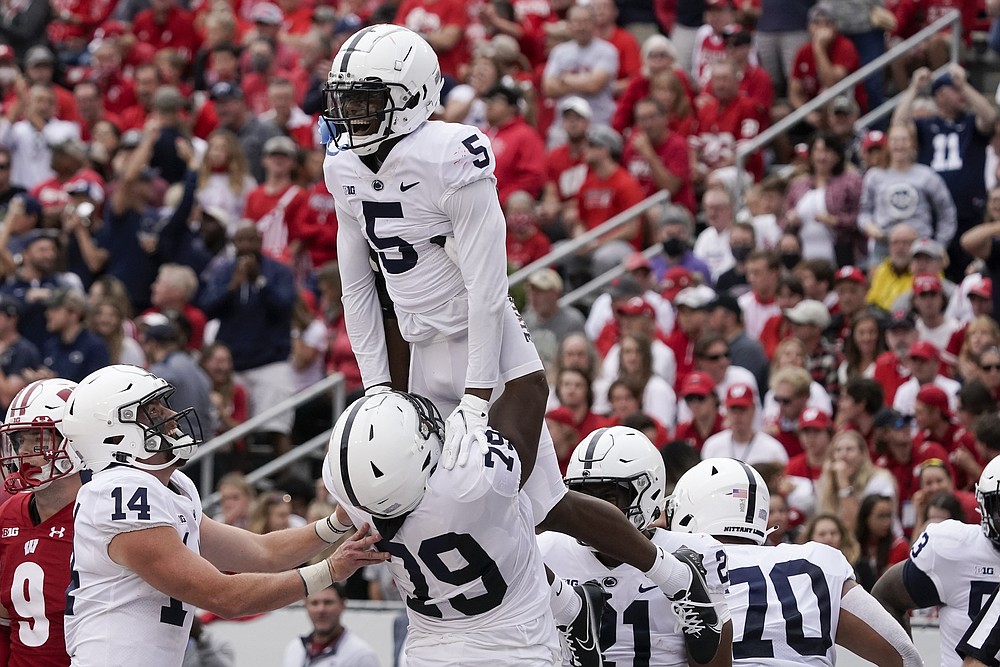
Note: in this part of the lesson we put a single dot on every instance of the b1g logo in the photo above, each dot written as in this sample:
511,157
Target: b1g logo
8,532
987,570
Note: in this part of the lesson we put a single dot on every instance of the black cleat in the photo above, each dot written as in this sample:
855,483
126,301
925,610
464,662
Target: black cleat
580,638
695,611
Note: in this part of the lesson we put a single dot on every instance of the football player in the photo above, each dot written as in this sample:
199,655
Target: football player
981,644
790,603
952,564
620,465
144,556
36,526
420,197
462,540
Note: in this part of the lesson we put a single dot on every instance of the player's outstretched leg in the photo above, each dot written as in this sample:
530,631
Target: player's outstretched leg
695,612
580,636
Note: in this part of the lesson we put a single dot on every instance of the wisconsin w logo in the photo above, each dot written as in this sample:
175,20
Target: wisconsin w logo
30,546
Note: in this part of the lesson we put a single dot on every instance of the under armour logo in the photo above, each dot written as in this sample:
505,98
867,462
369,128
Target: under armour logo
57,532
30,546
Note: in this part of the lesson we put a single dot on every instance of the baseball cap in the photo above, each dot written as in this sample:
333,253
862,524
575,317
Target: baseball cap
168,99
635,307
982,288
901,319
281,145
546,279
713,4
35,235
815,418
844,104
674,280
851,273
577,105
696,297
162,333
873,139
218,214
68,298
942,81
739,396
821,11
224,90
933,396
39,55
809,311
891,418
267,13
10,305
927,247
926,282
624,286
7,53
637,261
602,135
697,383
728,302
922,349
84,188
72,147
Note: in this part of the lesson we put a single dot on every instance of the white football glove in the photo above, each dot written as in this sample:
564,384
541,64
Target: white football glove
377,389
464,428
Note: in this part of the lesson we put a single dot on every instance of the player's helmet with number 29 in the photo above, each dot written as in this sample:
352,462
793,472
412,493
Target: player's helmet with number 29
382,450
119,414
988,497
34,449
624,456
720,497
385,81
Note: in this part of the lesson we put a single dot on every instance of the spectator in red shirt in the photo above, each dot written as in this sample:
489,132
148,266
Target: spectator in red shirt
525,242
567,168
442,23
606,27
174,288
815,432
901,456
340,356
517,147
106,72
574,392
284,113
658,158
607,191
69,162
698,391
890,370
692,321
790,390
725,120
145,82
658,57
858,408
40,67
828,58
74,22
755,82
778,328
275,204
90,108
165,25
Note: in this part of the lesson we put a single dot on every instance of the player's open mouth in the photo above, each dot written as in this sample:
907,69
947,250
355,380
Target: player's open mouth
364,127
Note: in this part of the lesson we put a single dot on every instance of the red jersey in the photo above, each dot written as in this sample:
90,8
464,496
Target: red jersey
87,15
599,200
637,89
932,10
722,127
775,330
426,16
842,53
673,152
176,31
954,437
51,195
788,437
520,158
118,92
275,215
521,252
629,57
756,84
689,433
683,348
34,576
316,225
906,472
891,374
567,170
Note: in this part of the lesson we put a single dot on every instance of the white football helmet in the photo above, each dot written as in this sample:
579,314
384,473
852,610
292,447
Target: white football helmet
382,450
385,81
623,456
119,414
34,449
721,497
988,497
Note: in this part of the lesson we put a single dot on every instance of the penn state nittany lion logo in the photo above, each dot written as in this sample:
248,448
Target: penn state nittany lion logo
901,200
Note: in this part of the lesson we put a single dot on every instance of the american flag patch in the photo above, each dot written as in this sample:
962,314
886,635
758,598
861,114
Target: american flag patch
739,493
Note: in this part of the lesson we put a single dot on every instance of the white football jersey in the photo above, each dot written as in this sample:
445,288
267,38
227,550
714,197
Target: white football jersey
406,213
785,603
639,626
465,560
962,569
113,616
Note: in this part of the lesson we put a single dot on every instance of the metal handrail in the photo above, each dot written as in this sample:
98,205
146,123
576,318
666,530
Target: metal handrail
890,105
952,18
571,246
598,282
335,382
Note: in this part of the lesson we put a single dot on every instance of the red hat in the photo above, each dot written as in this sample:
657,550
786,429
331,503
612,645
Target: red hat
802,151
562,415
815,418
983,288
874,139
7,53
636,306
111,29
934,397
927,282
674,280
923,350
739,396
697,383
851,273
718,3
637,261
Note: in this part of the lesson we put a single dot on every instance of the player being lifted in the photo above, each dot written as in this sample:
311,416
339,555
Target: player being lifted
620,465
36,526
421,197
952,564
790,603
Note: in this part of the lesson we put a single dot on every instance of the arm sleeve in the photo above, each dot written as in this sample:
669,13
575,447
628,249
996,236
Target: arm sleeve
860,603
362,312
480,232
921,588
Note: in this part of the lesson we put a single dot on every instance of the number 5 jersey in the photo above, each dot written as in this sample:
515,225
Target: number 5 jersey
113,616
34,574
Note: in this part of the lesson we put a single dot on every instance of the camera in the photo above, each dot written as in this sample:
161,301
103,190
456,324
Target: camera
83,210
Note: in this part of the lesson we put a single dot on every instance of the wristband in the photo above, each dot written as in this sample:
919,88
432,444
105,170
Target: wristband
316,577
330,529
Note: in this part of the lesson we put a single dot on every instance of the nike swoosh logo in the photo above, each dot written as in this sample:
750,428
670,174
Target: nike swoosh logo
646,589
403,187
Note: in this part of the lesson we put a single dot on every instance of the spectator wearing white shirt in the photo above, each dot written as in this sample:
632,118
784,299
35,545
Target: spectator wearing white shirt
929,303
742,440
923,360
712,245
29,139
656,396
636,317
329,644
711,354
638,281
763,271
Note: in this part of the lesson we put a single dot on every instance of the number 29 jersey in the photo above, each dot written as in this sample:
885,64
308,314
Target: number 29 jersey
113,617
639,625
785,603
34,574
954,565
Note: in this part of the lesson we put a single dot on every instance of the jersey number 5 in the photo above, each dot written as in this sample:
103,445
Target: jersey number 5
384,245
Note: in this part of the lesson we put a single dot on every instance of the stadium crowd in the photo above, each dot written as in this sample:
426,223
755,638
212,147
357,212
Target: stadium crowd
829,317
